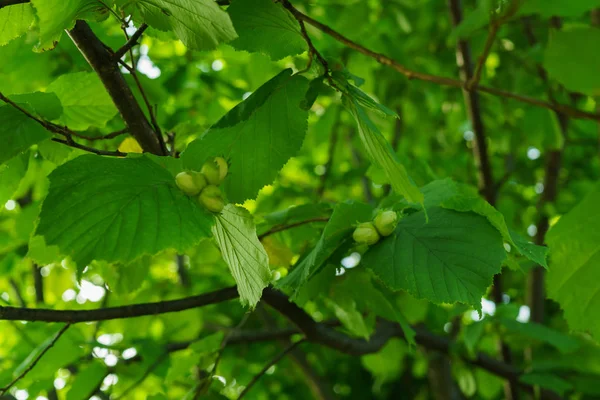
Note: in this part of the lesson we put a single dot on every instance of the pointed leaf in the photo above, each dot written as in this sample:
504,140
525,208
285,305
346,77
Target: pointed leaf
257,137
381,152
235,234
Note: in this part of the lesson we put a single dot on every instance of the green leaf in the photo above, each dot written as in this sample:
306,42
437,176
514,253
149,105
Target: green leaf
376,298
459,197
39,252
557,8
387,364
453,258
242,251
57,15
15,20
199,24
257,137
11,174
266,27
572,57
84,99
117,210
344,307
87,380
573,280
45,105
547,381
563,343
337,232
18,132
381,152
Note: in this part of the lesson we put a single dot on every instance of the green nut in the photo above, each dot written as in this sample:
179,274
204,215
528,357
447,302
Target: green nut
365,233
212,199
215,170
386,222
186,181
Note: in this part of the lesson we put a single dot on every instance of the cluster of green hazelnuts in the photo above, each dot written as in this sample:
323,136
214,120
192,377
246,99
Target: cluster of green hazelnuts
383,224
204,184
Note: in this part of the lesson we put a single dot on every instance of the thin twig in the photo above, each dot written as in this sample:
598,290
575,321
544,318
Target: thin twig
61,130
312,50
474,81
132,41
72,143
36,360
440,80
274,361
202,388
280,228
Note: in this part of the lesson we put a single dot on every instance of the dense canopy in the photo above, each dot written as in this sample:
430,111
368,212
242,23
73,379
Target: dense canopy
292,199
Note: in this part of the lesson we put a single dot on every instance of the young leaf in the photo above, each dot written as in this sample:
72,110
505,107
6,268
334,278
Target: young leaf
199,24
242,251
575,254
18,132
453,258
84,99
118,209
16,20
257,137
266,27
337,231
381,152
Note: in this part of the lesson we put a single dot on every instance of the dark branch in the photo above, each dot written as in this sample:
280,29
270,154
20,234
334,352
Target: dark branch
133,40
101,60
36,360
103,314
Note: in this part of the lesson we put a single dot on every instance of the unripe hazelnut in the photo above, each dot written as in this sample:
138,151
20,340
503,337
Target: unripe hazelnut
386,222
366,233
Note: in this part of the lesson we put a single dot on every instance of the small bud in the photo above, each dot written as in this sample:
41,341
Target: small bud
212,199
366,233
185,182
386,222
215,170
